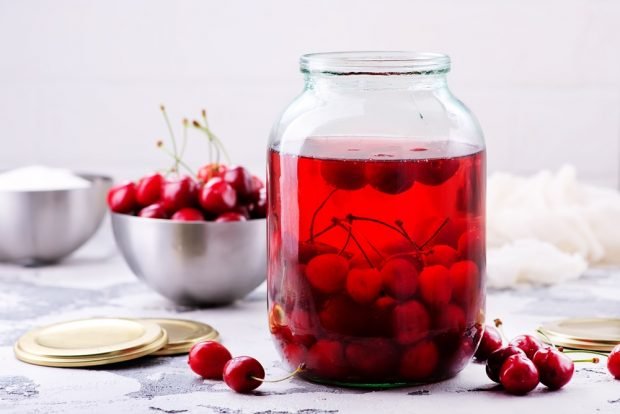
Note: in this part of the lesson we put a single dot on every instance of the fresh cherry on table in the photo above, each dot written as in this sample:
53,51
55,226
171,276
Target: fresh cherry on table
518,375
122,198
528,344
491,341
554,367
148,189
208,358
188,214
179,193
497,359
217,196
155,210
613,362
243,374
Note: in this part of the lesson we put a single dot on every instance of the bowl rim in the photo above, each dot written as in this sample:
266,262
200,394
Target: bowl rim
91,177
177,222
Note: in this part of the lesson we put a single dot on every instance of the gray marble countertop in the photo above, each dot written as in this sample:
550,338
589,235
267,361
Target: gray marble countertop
96,282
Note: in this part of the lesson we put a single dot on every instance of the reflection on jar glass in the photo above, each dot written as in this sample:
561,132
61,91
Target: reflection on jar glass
376,190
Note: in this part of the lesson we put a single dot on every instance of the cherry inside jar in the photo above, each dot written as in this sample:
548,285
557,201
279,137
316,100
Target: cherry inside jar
376,268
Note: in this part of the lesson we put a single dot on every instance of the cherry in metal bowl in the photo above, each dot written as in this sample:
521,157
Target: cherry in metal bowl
194,262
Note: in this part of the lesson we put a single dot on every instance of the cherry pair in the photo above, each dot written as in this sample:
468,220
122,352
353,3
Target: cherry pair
211,360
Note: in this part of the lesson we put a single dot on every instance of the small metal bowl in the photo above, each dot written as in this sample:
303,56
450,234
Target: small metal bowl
41,227
194,263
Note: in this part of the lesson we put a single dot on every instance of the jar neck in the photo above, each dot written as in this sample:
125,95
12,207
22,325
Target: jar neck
321,82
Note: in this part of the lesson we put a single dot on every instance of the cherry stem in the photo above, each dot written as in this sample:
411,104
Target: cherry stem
299,369
316,212
545,337
172,138
350,228
346,242
500,327
322,232
430,239
177,161
580,351
594,360
184,144
212,137
398,230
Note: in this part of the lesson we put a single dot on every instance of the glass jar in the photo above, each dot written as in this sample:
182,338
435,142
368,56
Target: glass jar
376,222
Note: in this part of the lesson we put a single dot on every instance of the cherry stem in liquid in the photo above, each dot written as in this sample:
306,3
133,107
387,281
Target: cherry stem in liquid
316,213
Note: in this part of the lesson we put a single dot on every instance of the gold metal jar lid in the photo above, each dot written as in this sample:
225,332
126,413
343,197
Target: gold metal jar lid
183,334
595,334
90,342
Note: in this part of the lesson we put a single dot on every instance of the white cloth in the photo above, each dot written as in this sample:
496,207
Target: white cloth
548,228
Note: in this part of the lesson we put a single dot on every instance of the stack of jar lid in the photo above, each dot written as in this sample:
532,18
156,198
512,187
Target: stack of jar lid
100,341
592,334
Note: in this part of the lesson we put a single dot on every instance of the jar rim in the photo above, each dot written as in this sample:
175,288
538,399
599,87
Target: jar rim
375,63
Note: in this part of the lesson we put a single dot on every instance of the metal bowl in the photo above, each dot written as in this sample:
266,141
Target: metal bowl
195,263
40,227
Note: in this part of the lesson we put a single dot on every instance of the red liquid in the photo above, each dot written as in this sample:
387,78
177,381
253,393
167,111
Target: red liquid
376,258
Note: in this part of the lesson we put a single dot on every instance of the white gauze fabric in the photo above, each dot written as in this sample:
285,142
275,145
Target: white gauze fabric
548,228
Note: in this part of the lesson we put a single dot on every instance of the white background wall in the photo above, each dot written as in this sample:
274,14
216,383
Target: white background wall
81,81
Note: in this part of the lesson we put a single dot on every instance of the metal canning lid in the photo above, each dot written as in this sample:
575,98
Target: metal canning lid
590,346
589,330
88,361
90,342
183,334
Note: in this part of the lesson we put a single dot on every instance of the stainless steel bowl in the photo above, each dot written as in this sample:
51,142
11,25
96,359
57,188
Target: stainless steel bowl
39,227
198,263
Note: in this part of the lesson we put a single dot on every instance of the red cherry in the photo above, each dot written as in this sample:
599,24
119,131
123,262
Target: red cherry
208,171
554,367
491,341
441,254
372,357
518,375
240,374
435,171
241,180
257,185
450,319
179,193
230,216
528,344
208,358
613,362
471,245
465,279
343,316
419,361
435,286
364,285
410,322
122,198
217,196
148,189
188,214
327,272
400,278
153,211
497,358
345,175
307,250
326,359
390,177
258,209
295,354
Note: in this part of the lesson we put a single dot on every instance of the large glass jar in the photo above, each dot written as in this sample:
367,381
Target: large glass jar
376,222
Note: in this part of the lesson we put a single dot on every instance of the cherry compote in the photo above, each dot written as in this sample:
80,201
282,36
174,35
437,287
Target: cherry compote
377,259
